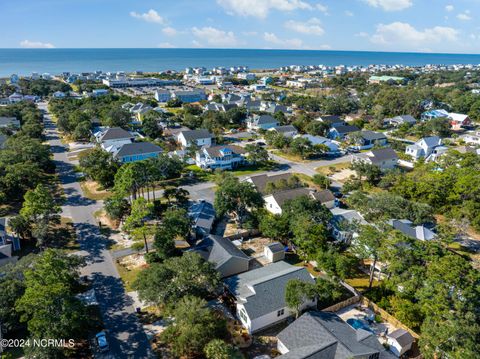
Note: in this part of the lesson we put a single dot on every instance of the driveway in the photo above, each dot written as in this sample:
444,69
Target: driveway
124,332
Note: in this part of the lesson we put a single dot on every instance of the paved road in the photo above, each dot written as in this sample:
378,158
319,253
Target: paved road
124,332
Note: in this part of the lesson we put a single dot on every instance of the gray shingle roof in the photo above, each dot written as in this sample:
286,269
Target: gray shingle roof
192,135
263,119
289,194
331,119
138,148
343,129
417,232
372,135
115,133
220,251
275,247
268,284
403,337
324,196
6,121
322,330
261,181
287,128
203,215
383,154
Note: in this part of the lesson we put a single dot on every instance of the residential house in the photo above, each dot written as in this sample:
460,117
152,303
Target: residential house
190,96
139,110
333,148
325,197
137,151
202,215
99,92
224,255
261,182
201,138
472,139
260,294
9,122
459,121
400,341
385,158
331,120
287,131
274,252
431,114
59,94
220,107
324,335
338,132
405,226
162,95
344,222
364,140
114,136
401,120
275,201
424,147
261,122
222,157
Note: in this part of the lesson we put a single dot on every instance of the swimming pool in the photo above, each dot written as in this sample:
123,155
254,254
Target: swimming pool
358,324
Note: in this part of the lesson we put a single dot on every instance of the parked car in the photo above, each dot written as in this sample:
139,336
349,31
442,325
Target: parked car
102,343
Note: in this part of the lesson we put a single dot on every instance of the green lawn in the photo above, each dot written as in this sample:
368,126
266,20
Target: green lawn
128,276
207,176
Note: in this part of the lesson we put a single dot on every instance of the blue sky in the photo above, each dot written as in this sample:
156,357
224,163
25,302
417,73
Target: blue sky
379,25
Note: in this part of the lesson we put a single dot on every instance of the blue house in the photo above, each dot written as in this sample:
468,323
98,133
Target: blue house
339,132
137,151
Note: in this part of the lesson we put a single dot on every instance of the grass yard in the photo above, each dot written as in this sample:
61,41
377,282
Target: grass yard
91,190
288,156
360,281
128,275
331,169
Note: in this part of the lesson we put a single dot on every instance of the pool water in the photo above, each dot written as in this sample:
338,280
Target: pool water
358,324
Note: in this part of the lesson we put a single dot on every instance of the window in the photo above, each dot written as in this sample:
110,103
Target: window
374,356
280,312
243,315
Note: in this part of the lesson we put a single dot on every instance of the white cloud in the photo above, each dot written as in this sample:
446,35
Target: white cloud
27,44
150,16
449,8
284,43
465,16
169,31
166,45
249,33
261,8
400,33
215,37
349,13
310,27
390,5
322,8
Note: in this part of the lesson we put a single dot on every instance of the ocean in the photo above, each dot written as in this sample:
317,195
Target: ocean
54,61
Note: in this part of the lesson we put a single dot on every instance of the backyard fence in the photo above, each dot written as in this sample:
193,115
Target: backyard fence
340,305
387,317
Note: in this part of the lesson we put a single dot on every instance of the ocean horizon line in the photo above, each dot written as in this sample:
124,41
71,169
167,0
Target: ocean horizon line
240,49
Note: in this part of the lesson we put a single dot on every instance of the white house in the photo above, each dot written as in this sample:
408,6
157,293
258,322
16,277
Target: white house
424,147
472,139
222,157
288,130
260,294
261,122
364,140
400,342
275,201
115,136
385,158
201,137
